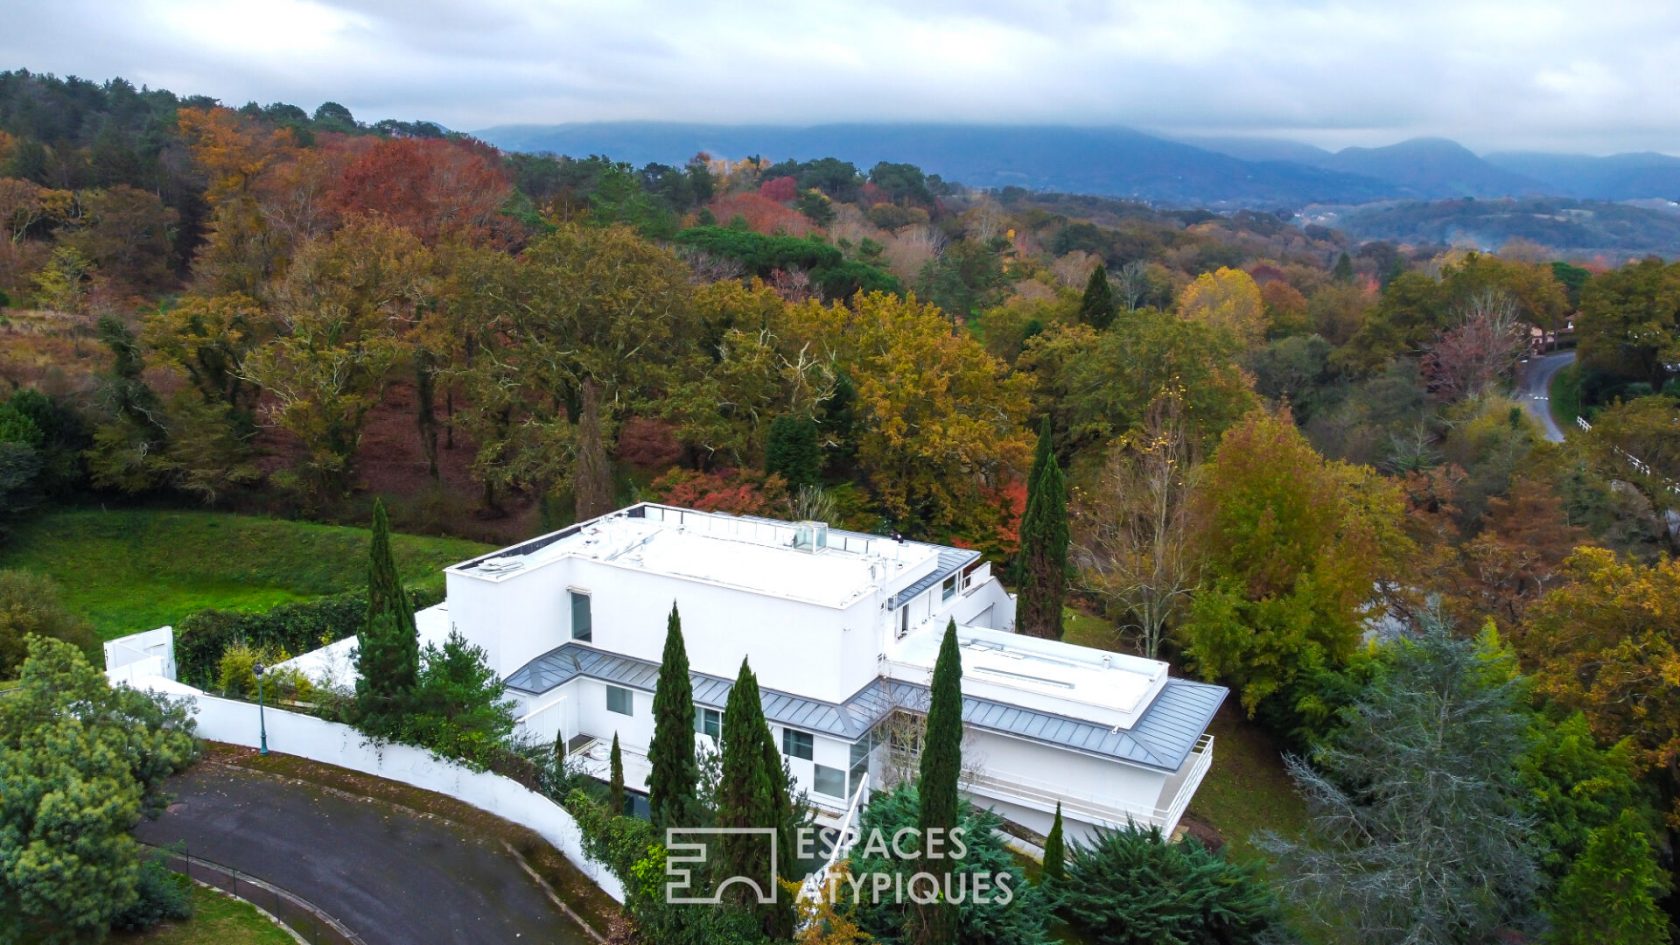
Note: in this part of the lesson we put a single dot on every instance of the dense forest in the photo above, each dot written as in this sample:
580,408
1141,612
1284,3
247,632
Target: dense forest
1294,463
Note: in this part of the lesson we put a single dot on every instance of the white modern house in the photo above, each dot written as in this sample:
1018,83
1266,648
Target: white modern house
842,630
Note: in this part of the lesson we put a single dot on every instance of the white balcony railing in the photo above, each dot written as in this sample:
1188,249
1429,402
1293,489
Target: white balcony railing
1106,809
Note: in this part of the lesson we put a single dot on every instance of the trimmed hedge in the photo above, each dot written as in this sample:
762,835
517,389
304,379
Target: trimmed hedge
201,639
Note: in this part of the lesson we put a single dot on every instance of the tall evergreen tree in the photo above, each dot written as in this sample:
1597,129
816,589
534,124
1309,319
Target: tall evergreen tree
675,775
1055,850
1097,306
748,797
1041,562
935,923
615,786
1343,271
794,450
388,646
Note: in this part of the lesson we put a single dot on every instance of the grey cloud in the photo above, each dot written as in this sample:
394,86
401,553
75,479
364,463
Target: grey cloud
1560,74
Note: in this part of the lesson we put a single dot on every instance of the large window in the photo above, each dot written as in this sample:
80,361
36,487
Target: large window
829,781
948,589
583,628
860,764
797,744
621,700
708,722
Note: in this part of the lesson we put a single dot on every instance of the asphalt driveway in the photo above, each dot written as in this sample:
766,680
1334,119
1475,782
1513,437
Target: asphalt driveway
392,876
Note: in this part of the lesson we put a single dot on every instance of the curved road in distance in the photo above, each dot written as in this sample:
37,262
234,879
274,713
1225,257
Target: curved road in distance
1536,387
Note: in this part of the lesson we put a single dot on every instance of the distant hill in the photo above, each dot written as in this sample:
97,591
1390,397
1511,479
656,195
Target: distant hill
1261,149
1432,168
1583,227
1617,177
1105,161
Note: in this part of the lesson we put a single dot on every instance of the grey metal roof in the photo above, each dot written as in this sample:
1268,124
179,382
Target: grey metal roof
950,560
1162,738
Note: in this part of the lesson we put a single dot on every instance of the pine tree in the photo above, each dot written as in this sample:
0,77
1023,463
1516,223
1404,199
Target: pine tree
941,764
1343,272
1610,895
592,489
794,450
674,775
388,647
1097,307
1055,852
615,787
1041,562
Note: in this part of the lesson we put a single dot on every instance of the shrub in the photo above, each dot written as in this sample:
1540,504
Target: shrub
30,603
201,639
1132,887
164,896
457,708
236,675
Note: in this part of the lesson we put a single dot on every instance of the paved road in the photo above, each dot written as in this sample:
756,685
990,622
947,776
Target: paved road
1536,384
393,877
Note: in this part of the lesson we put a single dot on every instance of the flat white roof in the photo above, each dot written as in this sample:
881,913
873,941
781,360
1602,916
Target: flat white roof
1076,681
781,559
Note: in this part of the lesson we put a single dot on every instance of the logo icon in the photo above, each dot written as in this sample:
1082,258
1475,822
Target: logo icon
689,848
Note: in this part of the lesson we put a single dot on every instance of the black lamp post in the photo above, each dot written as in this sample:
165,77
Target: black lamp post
262,721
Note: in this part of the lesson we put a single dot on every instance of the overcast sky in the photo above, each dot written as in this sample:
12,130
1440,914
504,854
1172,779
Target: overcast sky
1582,75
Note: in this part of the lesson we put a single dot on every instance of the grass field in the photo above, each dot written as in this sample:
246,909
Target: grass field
1564,398
134,569
217,920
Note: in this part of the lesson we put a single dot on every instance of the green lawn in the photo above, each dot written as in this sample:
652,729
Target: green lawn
1564,397
134,569
217,920
1247,789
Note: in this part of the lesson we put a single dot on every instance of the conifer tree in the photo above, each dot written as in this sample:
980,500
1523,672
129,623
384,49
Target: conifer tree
794,450
1041,562
749,797
1097,306
615,787
1343,271
388,647
1055,851
674,774
1610,895
935,923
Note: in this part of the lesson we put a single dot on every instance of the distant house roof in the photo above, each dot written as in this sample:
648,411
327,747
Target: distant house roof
1163,737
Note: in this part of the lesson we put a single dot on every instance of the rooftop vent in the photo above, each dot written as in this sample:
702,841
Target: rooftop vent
810,536
500,565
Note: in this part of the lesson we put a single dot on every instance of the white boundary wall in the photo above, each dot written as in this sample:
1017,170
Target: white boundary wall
333,743
135,661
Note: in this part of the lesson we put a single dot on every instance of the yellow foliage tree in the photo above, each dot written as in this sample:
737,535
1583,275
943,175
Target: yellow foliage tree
940,421
1607,644
1226,299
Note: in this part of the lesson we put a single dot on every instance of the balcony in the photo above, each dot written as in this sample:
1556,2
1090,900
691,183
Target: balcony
1110,811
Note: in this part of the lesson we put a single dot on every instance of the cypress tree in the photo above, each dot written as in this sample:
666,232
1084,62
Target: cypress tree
388,646
615,787
746,794
935,923
777,918
794,450
1041,562
1097,306
1055,852
674,774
